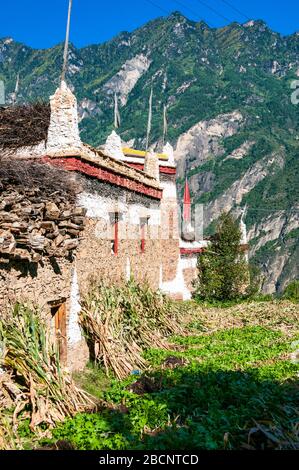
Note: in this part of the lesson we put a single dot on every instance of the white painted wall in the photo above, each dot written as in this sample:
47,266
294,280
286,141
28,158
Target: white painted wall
177,285
99,206
189,261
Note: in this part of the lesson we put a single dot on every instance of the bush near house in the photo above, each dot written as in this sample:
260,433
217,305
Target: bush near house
292,291
223,382
223,271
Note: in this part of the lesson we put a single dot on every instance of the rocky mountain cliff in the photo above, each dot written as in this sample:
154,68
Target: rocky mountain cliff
230,115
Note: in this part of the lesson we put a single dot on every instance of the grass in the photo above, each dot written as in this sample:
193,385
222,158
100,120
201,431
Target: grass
231,384
93,380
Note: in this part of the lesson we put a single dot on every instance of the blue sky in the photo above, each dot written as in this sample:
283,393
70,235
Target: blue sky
41,23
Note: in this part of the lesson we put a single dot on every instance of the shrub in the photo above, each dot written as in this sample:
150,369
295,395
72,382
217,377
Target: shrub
292,291
223,271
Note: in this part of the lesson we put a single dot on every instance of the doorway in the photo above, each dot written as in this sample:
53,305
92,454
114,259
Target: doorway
58,312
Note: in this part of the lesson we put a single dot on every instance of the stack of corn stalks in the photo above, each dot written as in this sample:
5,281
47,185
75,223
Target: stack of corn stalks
121,321
32,382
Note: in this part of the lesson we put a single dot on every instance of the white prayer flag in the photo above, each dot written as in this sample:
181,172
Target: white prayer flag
149,123
116,113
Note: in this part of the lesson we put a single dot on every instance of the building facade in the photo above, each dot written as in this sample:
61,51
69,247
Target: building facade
120,221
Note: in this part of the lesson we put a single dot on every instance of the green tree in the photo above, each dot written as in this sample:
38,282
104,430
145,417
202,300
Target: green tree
223,270
292,291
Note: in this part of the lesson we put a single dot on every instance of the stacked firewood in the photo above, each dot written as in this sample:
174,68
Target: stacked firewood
23,126
32,227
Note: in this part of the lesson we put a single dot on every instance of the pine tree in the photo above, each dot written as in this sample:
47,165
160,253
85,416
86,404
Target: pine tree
223,270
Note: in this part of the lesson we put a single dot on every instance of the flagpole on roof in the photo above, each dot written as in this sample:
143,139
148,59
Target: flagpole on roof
66,44
149,122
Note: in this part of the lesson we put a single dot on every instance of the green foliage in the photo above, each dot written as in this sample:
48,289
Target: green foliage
291,292
222,270
233,382
93,379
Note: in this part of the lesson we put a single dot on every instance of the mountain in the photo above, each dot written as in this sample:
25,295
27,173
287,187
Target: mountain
230,114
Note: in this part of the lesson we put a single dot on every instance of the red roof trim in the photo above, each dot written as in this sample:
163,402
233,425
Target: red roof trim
167,170
191,251
93,170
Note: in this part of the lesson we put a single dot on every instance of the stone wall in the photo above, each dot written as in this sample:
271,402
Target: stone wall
53,281
38,283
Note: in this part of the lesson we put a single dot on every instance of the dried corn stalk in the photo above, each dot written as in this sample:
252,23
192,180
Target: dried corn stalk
32,381
121,321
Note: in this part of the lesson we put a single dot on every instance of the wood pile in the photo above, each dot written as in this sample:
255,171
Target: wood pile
23,126
38,217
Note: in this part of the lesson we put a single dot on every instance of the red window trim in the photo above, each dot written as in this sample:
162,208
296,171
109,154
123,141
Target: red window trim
115,245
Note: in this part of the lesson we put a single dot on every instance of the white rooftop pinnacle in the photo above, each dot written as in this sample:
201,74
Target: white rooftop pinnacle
168,150
113,146
63,132
151,165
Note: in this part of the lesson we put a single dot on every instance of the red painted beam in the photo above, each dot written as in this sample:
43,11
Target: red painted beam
93,170
191,251
167,170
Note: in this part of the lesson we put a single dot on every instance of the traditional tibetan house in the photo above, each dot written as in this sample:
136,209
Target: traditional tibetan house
70,213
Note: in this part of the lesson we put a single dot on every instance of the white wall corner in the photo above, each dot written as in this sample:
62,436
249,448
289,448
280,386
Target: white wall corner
74,332
128,269
177,285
